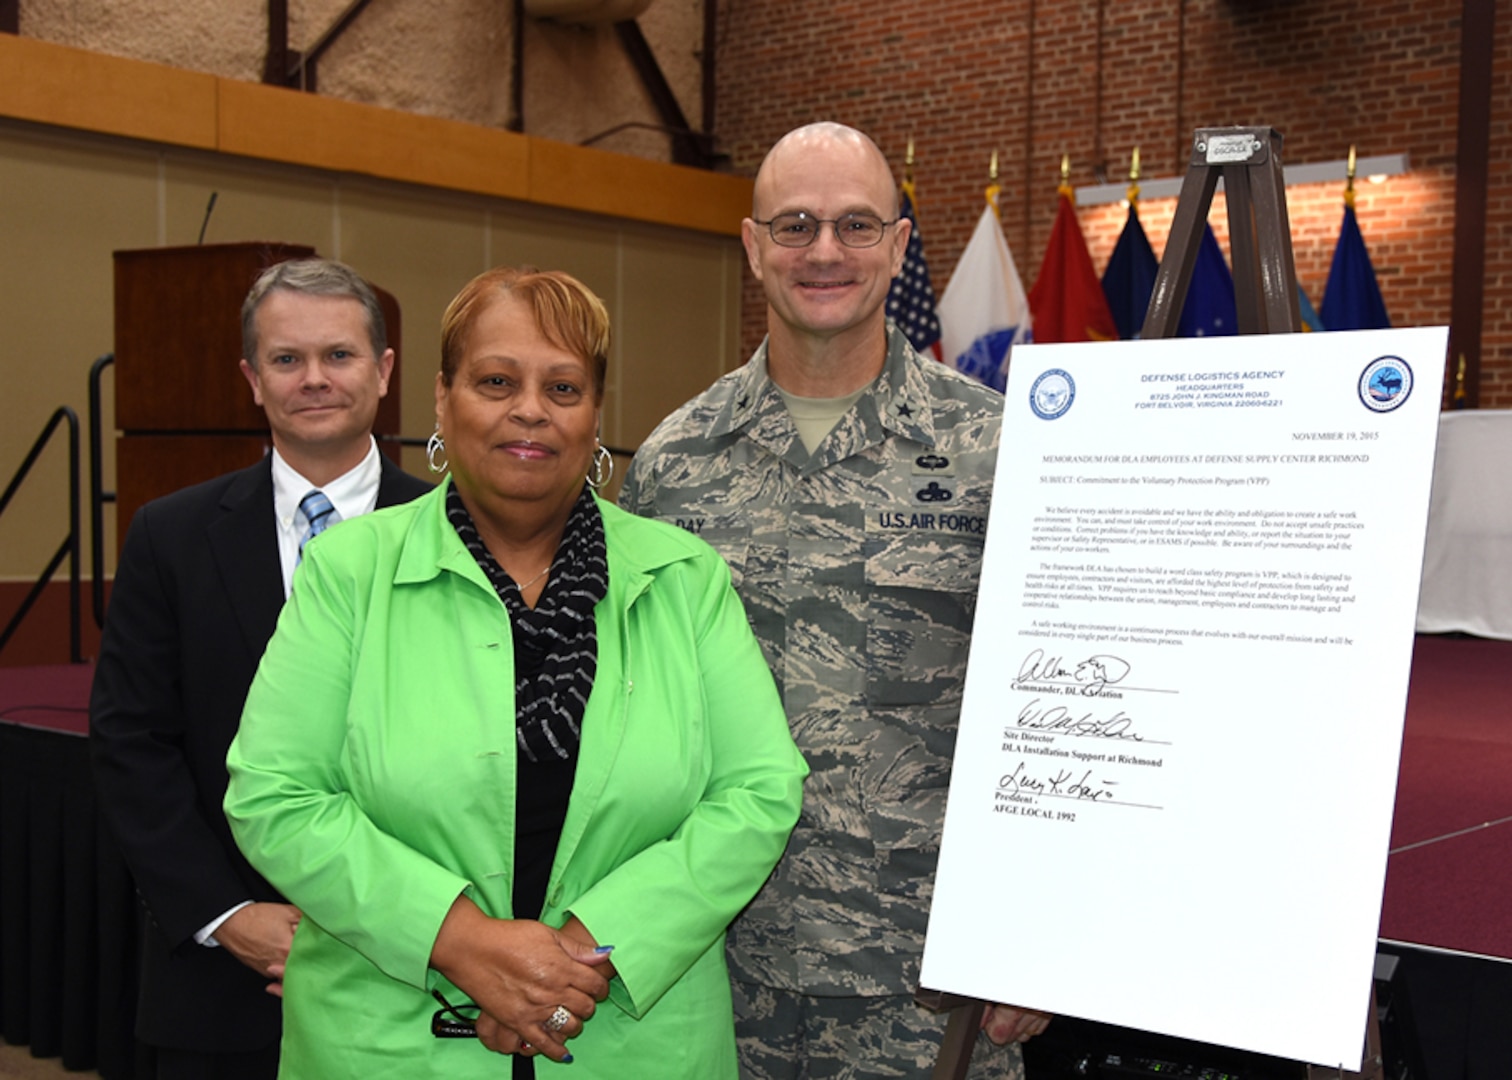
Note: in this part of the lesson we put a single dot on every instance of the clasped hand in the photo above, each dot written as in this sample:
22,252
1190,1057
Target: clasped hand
259,935
518,971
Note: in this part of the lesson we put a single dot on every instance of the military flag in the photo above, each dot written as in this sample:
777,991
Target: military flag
1067,300
1310,320
1209,310
984,311
1352,299
1130,277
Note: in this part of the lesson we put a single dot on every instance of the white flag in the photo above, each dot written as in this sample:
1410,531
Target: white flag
984,311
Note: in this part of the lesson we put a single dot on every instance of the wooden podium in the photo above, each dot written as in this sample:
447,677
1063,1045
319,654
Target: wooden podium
183,408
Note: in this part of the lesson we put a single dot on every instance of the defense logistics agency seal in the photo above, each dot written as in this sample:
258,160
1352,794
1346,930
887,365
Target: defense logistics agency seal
1052,394
1385,384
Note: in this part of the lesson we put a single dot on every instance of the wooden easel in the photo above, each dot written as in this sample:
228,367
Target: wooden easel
1248,159
960,1031
1265,276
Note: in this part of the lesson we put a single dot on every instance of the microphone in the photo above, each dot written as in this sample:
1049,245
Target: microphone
209,207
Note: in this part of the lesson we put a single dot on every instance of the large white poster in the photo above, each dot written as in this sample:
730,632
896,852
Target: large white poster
1174,776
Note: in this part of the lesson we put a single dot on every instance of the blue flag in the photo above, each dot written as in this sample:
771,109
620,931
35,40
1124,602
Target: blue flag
1310,320
911,300
1352,299
1130,277
1209,310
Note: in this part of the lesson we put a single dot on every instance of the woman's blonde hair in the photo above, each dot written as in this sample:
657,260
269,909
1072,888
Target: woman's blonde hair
567,312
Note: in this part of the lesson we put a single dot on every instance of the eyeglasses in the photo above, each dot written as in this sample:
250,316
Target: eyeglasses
800,229
454,1021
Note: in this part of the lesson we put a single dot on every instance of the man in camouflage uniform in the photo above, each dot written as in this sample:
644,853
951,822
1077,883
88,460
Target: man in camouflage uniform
847,482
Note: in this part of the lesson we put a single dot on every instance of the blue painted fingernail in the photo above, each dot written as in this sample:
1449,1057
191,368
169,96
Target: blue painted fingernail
567,1060
603,950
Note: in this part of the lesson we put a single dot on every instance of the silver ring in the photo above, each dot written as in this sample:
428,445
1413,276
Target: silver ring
558,1019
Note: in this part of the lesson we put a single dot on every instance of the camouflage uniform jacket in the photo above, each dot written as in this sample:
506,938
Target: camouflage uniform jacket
858,566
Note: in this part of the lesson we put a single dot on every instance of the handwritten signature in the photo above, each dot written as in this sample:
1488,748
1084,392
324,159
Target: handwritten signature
1089,675
1060,719
1062,782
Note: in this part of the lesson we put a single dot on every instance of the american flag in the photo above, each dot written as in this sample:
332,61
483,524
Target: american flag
911,301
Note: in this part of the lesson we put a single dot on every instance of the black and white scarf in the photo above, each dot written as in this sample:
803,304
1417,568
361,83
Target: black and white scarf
556,642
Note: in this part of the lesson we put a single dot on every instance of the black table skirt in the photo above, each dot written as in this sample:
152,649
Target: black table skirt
68,912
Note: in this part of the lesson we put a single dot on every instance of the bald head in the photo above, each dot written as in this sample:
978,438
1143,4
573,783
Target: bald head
829,187
826,146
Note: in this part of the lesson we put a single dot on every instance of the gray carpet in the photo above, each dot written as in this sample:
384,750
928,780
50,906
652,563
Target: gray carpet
17,1063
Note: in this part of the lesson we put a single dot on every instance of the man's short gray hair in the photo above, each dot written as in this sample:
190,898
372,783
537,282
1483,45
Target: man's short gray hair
313,277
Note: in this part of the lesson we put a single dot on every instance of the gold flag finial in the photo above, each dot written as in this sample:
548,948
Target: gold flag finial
992,187
1459,380
1065,180
1349,178
1133,191
908,162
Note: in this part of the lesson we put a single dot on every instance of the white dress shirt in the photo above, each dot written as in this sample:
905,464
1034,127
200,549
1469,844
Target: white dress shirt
353,493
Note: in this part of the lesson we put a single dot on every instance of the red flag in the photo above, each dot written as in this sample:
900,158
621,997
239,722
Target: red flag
1067,300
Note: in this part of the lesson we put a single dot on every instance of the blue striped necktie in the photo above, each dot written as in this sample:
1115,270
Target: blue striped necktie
319,515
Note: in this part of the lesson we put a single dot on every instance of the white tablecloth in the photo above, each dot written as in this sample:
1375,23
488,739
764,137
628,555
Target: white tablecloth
1467,556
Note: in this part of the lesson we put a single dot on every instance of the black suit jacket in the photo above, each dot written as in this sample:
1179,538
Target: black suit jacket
196,597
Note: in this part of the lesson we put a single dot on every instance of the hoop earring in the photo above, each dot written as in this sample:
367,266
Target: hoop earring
433,446
603,467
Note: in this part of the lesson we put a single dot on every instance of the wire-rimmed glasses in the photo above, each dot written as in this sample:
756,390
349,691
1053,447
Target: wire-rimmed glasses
799,228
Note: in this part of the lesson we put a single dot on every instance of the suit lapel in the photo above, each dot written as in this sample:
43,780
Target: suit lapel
244,541
395,486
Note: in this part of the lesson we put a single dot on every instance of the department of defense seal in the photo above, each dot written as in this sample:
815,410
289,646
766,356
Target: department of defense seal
1052,394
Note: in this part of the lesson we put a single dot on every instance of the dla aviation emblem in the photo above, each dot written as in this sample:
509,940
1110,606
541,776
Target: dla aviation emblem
1385,384
1052,394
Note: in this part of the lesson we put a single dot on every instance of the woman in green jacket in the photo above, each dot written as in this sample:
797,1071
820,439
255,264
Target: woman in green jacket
463,875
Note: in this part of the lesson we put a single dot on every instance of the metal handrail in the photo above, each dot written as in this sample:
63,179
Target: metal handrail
97,496
70,547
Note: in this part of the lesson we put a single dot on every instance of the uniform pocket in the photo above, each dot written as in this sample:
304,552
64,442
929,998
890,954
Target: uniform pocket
921,588
726,534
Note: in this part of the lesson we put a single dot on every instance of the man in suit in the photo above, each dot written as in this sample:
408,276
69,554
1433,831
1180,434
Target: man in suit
203,575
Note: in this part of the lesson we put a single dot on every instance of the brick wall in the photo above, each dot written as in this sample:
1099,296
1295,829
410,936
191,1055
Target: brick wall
966,77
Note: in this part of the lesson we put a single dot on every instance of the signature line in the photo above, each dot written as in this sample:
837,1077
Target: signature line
1096,802
1120,687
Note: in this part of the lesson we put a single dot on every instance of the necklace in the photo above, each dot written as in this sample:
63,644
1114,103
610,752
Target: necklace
523,585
